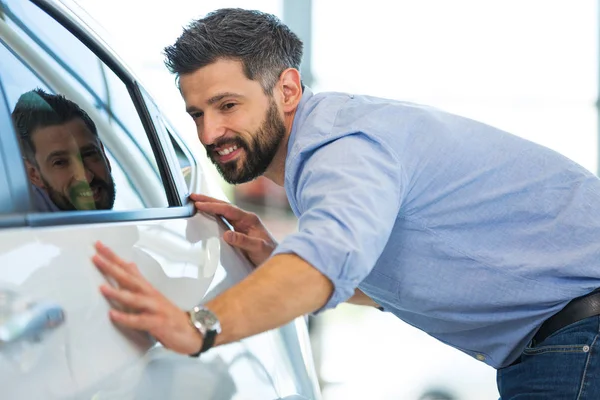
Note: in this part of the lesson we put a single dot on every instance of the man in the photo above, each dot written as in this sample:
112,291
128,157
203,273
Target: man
480,238
64,158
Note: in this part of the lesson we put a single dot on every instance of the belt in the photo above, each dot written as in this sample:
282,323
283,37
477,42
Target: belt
576,310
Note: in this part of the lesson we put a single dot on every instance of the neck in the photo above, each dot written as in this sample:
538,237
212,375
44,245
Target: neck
276,170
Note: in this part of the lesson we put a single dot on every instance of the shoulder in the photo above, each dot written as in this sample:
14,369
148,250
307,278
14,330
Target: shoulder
327,117
41,200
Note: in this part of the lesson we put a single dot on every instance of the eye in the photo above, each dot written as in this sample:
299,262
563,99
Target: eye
60,163
196,115
228,106
90,153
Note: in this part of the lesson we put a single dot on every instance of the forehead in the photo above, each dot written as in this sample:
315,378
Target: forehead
63,136
222,76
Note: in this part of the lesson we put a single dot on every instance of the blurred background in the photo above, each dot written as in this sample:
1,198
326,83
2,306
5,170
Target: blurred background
527,66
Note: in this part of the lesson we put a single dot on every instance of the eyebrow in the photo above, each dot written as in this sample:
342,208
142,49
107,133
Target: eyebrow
216,98
88,147
57,153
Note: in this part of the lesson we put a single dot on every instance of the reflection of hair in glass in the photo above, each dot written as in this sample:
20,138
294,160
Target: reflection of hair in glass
37,109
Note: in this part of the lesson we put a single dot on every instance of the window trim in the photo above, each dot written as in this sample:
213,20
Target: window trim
166,146
105,216
88,40
157,145
12,169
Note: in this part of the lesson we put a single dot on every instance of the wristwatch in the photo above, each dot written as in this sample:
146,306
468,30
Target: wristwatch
207,323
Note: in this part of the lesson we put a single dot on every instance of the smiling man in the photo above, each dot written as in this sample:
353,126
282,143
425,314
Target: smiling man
247,154
484,240
64,156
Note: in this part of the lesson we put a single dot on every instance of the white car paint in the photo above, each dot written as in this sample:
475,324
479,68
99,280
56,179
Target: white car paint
184,259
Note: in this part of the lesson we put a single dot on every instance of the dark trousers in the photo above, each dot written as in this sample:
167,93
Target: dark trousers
566,365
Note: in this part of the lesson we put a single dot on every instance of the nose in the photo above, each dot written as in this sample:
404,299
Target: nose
81,171
89,175
211,129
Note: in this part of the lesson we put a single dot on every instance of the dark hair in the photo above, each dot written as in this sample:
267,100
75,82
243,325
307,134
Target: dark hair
264,45
37,109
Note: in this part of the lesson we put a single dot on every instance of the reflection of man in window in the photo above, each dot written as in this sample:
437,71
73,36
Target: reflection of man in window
64,157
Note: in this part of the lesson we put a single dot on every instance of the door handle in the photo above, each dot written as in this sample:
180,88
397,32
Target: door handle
26,320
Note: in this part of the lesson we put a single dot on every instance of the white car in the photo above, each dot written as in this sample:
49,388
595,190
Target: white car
56,340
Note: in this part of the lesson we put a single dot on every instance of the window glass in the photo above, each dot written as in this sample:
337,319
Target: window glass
185,161
83,143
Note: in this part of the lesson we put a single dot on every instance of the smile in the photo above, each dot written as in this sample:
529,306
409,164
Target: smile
228,154
228,150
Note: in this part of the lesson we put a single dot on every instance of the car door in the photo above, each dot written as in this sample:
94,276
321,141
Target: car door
75,352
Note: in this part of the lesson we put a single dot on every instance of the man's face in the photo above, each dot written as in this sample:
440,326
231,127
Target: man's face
72,167
238,124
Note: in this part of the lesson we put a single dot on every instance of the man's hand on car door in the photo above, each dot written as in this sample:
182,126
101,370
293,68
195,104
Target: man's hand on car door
147,309
250,235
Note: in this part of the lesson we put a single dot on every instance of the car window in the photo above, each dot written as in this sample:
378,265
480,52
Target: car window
185,160
184,166
83,143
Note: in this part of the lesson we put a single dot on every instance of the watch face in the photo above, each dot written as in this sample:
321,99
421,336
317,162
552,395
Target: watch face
207,319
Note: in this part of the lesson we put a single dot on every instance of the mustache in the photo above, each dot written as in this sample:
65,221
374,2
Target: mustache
99,183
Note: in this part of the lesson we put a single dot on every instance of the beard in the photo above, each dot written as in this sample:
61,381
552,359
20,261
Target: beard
259,152
74,203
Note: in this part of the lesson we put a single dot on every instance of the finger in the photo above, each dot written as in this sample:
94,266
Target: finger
142,322
128,299
231,213
243,242
110,255
123,278
201,197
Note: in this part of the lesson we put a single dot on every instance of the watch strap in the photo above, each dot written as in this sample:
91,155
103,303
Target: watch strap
207,343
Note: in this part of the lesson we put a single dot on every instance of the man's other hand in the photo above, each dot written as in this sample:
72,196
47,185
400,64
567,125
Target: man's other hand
250,235
143,307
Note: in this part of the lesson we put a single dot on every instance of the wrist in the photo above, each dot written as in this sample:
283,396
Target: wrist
207,327
196,339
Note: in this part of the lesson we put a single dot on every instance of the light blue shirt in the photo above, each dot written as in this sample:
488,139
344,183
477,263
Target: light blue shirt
469,233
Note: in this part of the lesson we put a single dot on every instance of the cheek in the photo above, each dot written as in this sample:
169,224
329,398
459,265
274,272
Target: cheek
94,164
199,134
100,169
58,180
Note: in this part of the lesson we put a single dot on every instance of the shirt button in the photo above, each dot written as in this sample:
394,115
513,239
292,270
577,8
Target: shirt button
480,357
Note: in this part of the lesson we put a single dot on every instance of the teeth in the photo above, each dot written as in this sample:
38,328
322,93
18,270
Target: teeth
226,151
87,193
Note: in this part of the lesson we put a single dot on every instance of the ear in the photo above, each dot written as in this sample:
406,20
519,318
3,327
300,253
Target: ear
34,175
291,89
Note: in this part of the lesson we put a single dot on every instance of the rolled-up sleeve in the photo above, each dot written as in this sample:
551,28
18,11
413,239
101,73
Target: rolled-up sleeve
348,193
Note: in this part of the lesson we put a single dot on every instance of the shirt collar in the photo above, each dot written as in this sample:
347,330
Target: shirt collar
300,116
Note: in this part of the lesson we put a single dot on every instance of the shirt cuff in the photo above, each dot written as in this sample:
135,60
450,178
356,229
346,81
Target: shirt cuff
329,259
